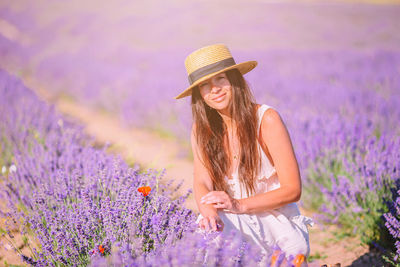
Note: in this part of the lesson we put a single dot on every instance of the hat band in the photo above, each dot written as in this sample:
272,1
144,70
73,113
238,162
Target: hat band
197,74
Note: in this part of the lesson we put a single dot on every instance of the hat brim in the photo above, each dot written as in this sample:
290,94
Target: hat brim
243,67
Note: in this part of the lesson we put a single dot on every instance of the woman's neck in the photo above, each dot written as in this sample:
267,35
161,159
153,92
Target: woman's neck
229,122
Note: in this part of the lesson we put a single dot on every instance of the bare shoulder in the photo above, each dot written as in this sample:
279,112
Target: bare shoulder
271,119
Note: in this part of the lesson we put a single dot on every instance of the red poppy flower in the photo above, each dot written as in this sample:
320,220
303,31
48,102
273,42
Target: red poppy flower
274,257
299,260
145,190
101,249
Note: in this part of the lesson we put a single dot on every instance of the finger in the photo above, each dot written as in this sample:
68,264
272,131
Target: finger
206,196
211,194
214,196
204,224
201,225
207,225
213,200
213,225
219,205
205,200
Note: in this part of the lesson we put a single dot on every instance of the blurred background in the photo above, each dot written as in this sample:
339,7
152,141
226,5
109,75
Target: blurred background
127,57
331,69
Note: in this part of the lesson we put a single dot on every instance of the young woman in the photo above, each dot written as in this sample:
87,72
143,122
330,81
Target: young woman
246,176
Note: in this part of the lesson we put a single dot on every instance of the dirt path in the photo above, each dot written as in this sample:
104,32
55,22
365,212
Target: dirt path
146,148
152,151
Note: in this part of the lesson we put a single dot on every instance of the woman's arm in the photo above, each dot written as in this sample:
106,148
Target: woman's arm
202,184
276,137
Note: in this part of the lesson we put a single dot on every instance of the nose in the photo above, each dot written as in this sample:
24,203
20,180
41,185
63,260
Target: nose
215,88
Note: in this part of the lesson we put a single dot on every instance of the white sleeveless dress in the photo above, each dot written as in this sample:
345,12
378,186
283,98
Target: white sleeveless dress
284,226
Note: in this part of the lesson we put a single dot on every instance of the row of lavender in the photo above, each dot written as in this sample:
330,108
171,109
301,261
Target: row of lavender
340,105
346,136
76,204
78,187
113,58
341,108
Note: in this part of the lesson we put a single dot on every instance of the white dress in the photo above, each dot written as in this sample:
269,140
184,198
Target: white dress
284,226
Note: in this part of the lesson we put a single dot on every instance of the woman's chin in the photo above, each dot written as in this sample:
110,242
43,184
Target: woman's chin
221,105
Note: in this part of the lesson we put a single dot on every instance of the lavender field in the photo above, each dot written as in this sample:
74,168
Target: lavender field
83,204
331,69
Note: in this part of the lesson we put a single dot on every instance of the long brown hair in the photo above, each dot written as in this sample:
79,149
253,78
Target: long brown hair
211,134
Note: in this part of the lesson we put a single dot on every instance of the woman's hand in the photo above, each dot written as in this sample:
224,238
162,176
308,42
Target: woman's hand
213,222
221,200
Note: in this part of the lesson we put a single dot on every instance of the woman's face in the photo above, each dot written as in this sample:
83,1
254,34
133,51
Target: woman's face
217,92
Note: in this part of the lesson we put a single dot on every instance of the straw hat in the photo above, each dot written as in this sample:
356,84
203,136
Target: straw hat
208,61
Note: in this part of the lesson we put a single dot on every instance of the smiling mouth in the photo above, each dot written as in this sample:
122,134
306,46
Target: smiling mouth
218,98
